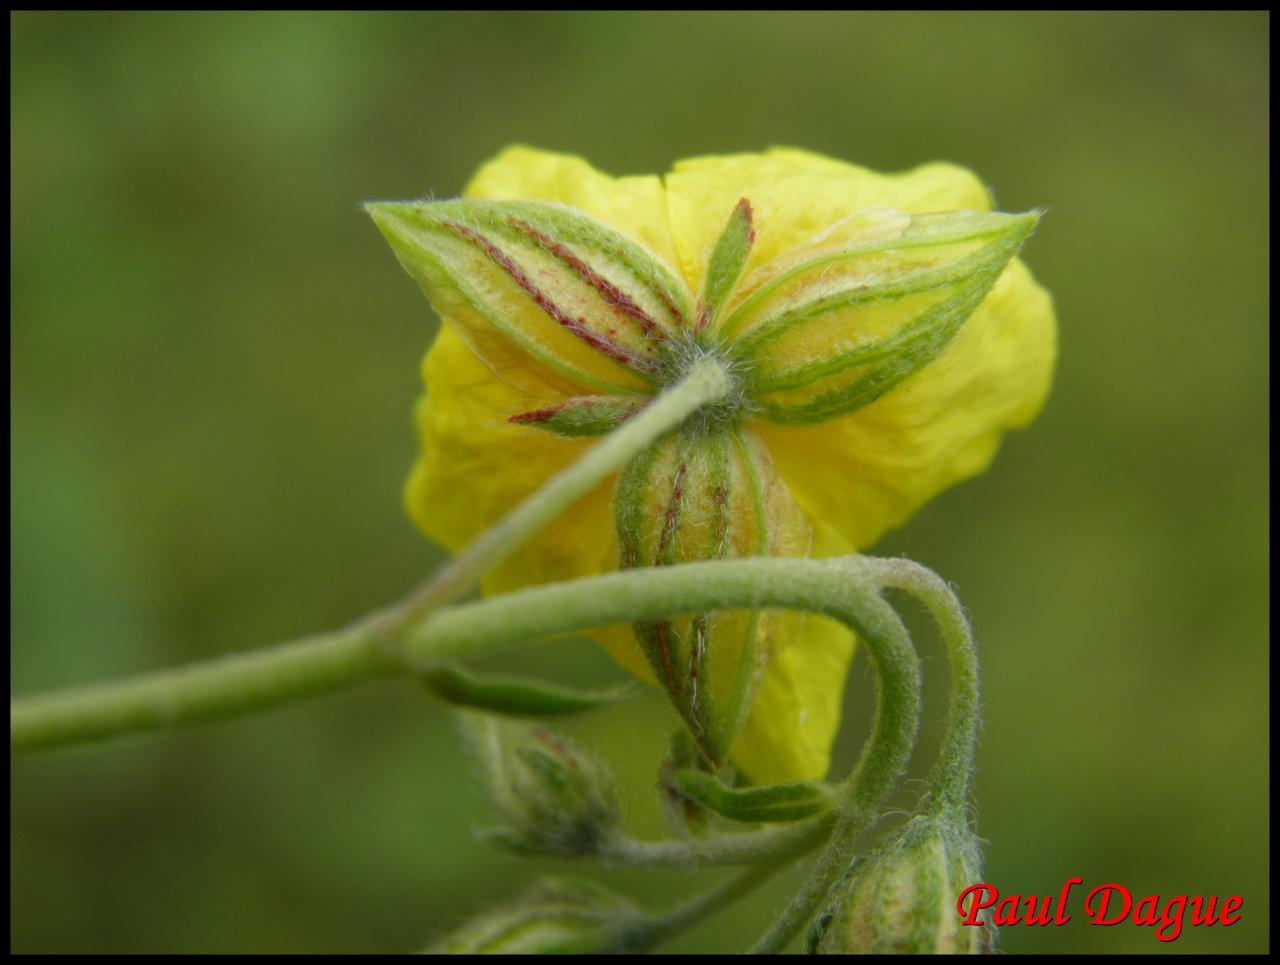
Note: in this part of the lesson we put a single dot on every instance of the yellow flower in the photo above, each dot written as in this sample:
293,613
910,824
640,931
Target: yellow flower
881,335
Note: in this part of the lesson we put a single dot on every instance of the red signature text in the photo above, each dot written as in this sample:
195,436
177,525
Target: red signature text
1108,904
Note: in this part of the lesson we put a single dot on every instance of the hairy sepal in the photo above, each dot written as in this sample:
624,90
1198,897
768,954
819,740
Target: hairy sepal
571,293
832,334
728,258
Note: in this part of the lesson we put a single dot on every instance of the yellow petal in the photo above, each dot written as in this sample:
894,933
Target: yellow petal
635,206
867,472
474,466
797,197
936,186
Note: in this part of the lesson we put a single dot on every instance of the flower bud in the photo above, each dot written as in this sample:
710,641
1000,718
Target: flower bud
902,898
557,917
705,492
554,797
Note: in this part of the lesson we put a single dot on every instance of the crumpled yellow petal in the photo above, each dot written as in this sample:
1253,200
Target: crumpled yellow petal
474,466
797,196
866,472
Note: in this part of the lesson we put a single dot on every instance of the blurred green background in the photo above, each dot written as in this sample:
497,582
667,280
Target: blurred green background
215,355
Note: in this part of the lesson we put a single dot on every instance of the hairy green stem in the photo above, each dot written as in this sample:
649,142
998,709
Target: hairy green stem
883,760
950,777
226,687
952,773
706,382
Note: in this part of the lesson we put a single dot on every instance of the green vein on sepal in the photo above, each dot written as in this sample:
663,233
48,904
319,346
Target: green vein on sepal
890,290
925,230
515,696
989,259
757,805
939,321
928,343
894,358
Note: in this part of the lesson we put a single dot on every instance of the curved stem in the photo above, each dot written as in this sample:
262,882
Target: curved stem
705,382
883,760
950,777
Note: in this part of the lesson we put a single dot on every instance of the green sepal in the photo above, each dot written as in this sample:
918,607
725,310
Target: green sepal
541,276
757,805
728,258
832,335
515,696
592,415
